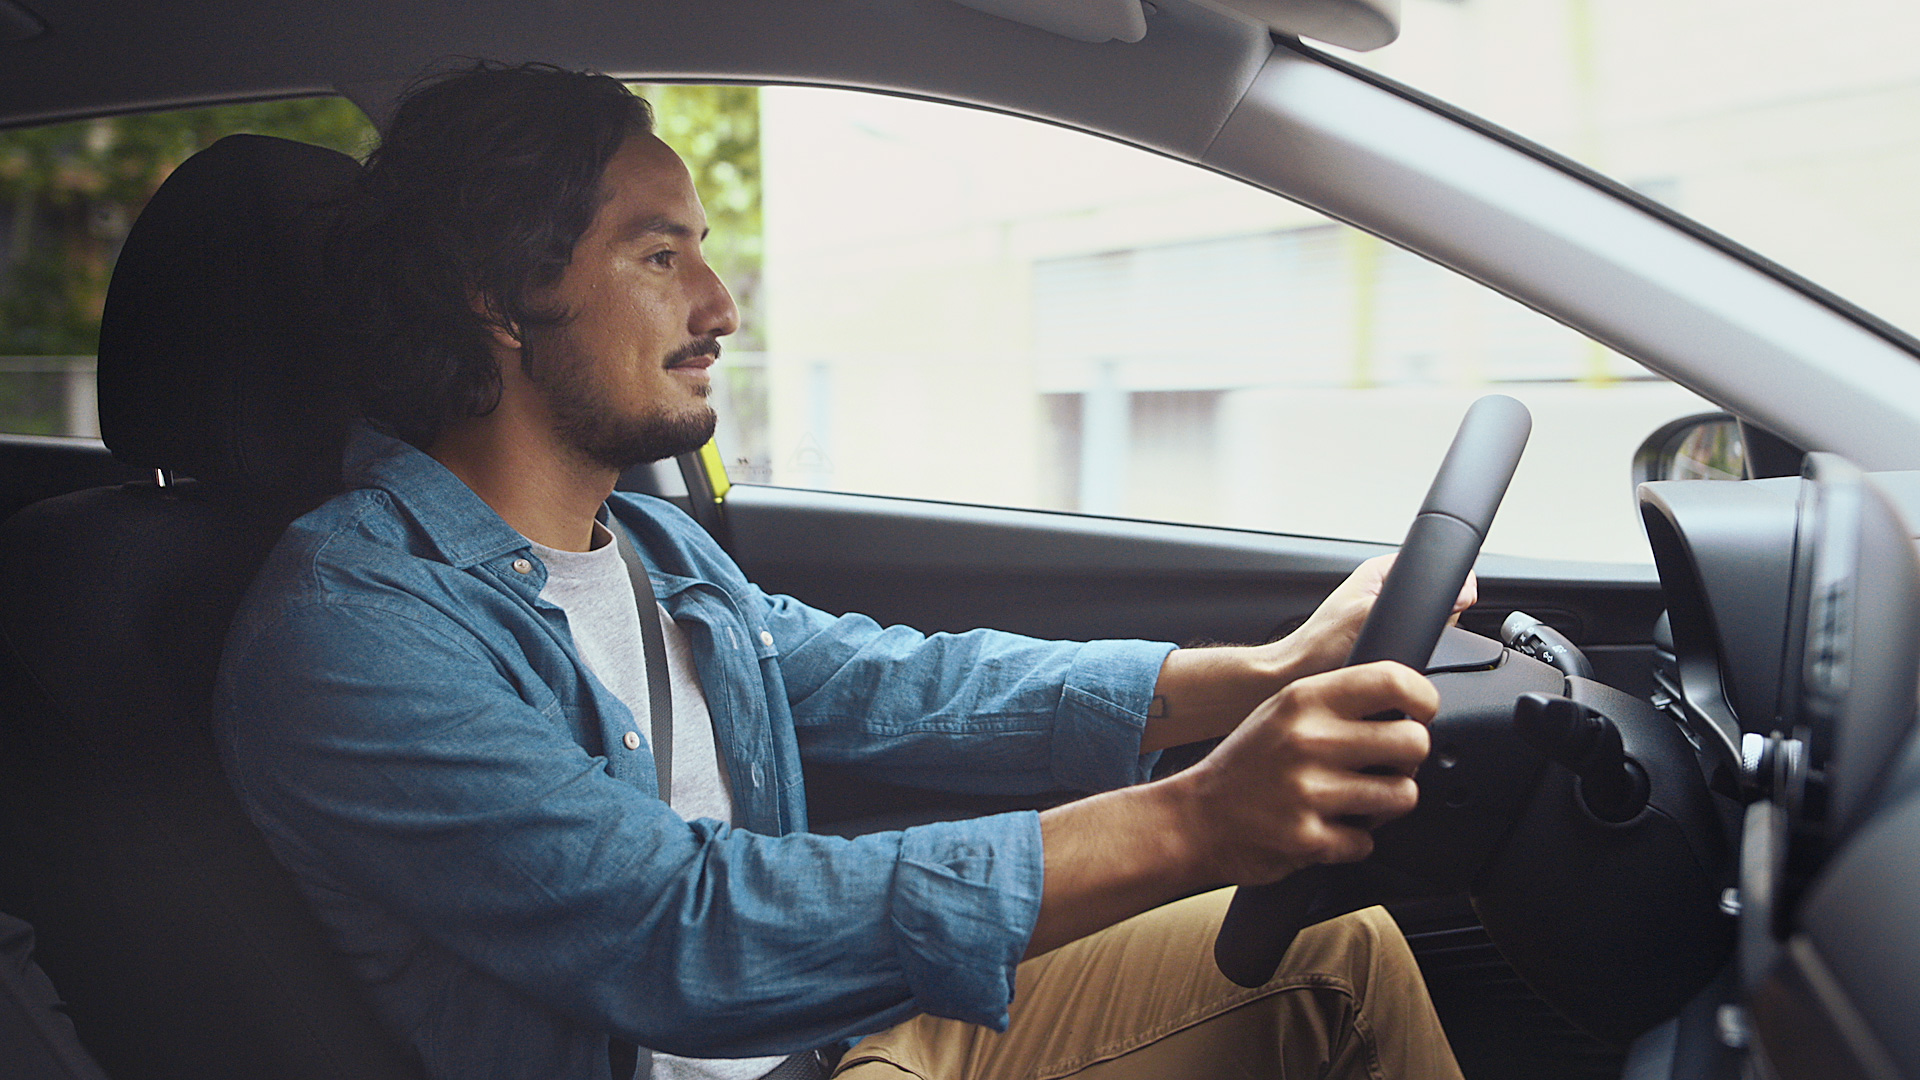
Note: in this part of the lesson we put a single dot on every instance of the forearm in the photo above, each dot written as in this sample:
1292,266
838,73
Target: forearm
1110,857
981,711
1205,693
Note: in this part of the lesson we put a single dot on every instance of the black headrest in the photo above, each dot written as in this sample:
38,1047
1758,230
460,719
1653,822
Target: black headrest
217,351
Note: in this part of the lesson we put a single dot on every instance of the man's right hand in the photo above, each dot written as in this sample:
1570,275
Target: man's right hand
1306,777
1301,782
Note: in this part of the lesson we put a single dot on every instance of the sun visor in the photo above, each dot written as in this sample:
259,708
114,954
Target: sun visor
1350,24
1081,20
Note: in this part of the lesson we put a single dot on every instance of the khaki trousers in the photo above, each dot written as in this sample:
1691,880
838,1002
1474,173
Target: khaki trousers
1142,1000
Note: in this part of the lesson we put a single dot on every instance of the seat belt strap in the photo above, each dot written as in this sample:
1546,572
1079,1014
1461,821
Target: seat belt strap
628,1059
653,639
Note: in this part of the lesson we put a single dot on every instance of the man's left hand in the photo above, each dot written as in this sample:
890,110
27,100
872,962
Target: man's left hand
1205,693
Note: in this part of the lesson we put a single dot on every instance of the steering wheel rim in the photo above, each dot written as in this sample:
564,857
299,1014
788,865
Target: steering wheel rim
1415,602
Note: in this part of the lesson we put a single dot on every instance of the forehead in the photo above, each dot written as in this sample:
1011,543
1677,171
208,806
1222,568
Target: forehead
645,179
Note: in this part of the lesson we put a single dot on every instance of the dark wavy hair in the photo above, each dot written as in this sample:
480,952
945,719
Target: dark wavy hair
485,180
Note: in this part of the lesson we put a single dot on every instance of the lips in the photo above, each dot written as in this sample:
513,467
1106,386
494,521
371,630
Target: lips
700,355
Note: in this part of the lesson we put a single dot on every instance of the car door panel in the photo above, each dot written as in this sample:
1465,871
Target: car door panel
943,566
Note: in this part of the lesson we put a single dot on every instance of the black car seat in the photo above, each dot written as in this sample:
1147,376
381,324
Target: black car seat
182,948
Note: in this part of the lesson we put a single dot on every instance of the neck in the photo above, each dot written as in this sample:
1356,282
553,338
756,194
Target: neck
544,491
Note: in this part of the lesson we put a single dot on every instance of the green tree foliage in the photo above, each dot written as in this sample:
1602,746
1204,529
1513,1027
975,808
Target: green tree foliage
716,129
69,192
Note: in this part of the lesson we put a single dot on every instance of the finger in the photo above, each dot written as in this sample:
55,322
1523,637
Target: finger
1369,689
1327,840
1376,568
1362,800
1382,748
1344,745
1469,593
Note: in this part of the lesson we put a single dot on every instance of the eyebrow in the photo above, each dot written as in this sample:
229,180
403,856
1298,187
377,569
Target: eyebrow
660,225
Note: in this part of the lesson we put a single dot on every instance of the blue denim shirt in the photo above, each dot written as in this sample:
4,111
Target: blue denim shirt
412,729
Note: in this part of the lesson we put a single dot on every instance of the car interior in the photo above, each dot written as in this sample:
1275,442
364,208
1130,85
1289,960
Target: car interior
1671,826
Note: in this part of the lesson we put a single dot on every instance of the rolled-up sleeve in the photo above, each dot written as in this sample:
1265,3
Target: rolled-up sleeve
958,889
388,758
1104,702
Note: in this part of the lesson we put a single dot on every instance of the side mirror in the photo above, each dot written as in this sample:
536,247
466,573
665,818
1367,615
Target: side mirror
1705,446
1713,446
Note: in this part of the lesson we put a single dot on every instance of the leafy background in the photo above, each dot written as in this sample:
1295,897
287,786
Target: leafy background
69,192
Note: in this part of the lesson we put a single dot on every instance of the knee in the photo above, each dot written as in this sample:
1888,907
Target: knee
1364,949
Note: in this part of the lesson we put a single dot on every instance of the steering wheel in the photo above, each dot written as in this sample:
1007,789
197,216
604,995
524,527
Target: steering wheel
1415,602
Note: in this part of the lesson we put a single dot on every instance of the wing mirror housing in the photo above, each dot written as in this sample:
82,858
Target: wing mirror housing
1714,446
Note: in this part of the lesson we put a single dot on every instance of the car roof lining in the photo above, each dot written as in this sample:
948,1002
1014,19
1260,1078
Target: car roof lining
1170,91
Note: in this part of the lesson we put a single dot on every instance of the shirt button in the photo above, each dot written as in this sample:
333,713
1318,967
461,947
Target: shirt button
522,566
632,739
766,637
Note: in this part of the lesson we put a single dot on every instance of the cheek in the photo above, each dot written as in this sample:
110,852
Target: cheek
642,309
628,319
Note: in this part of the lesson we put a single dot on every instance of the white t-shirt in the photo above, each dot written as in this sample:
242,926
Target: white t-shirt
593,589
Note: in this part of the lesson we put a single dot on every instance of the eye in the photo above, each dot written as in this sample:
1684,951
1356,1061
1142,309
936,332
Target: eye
664,258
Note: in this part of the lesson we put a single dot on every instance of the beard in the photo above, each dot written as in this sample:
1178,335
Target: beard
586,424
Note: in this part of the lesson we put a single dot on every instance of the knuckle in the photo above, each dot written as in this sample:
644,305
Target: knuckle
1351,845
1316,842
1297,789
1314,789
1405,795
1415,738
1305,693
1308,740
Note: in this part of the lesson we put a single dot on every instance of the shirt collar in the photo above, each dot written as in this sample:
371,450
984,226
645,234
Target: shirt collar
458,523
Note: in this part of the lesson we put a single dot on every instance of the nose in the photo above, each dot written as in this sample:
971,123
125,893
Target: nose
714,313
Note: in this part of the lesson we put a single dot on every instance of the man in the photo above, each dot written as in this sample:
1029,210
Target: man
435,706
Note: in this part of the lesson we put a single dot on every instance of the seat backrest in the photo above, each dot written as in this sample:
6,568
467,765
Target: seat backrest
182,948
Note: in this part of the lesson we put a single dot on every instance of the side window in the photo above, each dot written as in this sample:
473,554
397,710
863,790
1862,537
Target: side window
965,306
68,193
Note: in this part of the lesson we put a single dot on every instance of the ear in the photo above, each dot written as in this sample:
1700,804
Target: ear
505,334
506,338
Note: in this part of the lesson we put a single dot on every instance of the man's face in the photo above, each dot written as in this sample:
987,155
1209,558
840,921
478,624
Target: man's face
626,377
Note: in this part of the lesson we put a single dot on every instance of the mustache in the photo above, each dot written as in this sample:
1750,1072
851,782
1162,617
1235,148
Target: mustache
703,346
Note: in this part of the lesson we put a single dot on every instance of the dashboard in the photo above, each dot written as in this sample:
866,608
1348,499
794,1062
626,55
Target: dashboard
1790,657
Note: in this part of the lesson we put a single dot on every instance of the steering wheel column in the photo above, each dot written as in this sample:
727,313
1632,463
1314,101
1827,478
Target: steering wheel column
1615,923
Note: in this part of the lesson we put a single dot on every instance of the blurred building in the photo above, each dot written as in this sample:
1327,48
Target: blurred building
962,305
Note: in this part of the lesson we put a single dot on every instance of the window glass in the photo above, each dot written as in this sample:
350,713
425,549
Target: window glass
68,193
1793,128
966,306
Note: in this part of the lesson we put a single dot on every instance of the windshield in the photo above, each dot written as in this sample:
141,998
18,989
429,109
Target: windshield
1792,128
